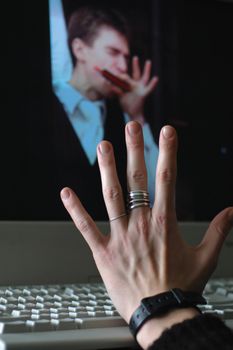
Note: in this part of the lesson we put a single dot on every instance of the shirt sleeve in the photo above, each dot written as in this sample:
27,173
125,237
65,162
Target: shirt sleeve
201,332
61,61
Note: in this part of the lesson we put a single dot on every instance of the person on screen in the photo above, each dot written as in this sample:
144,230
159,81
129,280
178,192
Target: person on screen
88,107
144,254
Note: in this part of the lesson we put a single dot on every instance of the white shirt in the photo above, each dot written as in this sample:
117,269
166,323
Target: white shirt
86,117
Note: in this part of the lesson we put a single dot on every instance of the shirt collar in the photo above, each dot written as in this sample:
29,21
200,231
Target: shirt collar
71,98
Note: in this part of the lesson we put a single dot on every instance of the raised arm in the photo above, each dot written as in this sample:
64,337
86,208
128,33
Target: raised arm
61,62
144,254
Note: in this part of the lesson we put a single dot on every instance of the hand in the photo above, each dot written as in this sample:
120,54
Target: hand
144,253
141,86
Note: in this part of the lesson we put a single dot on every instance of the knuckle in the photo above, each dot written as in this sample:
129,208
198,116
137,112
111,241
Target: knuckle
161,221
142,225
84,224
112,193
165,175
223,222
219,230
138,176
134,143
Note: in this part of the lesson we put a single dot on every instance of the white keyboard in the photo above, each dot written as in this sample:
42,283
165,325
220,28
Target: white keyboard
54,308
219,296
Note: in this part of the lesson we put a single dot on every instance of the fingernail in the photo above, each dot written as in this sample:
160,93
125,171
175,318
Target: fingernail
133,128
168,132
104,148
65,193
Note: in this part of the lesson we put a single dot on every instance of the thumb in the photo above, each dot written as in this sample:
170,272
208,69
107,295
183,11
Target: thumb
216,234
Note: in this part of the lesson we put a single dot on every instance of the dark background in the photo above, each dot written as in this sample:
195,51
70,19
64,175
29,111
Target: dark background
191,51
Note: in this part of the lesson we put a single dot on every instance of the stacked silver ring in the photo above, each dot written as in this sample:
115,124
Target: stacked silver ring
138,198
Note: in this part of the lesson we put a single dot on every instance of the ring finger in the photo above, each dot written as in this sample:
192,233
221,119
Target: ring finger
166,173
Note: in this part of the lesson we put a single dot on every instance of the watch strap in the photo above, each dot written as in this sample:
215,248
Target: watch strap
162,303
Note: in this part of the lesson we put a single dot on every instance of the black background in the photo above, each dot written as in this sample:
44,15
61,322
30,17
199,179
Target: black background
191,49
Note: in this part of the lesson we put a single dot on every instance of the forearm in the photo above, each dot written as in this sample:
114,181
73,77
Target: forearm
153,328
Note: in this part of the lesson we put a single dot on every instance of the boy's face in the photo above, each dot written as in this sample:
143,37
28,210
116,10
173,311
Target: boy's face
110,50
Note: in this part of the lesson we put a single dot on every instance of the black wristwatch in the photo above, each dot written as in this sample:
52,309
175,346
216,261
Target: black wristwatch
160,304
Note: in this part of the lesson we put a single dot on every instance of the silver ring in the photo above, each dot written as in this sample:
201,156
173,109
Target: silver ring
117,217
138,198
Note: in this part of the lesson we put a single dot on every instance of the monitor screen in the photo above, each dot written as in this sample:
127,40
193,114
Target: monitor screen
188,43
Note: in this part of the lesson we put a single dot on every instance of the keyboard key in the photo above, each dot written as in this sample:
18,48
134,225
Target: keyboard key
57,297
8,292
21,306
57,304
30,324
39,305
3,301
66,324
227,314
26,292
218,299
43,326
221,291
15,313
2,327
35,316
101,322
39,298
21,300
15,327
44,291
55,323
12,299
69,291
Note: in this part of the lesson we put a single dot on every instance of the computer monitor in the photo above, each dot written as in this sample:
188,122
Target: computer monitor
189,45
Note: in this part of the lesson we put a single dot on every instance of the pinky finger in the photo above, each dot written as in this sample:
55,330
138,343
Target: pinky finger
82,220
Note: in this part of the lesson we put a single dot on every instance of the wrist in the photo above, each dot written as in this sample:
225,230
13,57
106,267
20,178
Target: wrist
162,311
154,327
